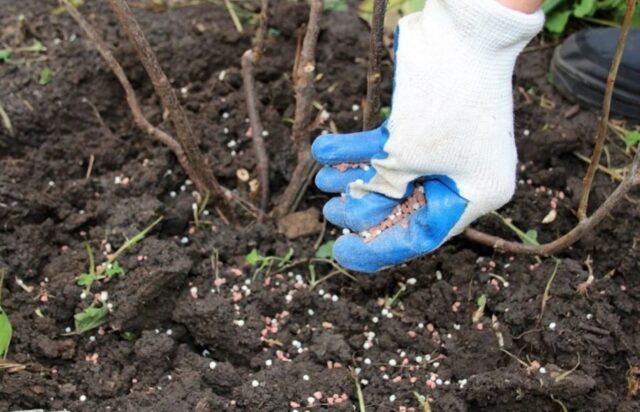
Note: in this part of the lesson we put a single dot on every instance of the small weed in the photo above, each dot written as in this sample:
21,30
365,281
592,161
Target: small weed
605,12
199,210
90,318
231,9
336,5
361,405
423,402
111,268
385,112
547,290
481,303
129,336
337,270
61,10
325,251
390,302
632,138
6,330
530,237
7,54
263,264
46,75
564,375
403,7
95,315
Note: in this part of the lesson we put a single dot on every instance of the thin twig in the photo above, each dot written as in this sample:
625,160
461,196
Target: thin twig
606,108
583,227
362,407
587,224
196,165
234,16
249,60
262,159
2,275
547,291
371,107
261,33
303,78
92,159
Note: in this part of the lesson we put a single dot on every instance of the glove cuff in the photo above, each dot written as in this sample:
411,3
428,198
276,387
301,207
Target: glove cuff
485,25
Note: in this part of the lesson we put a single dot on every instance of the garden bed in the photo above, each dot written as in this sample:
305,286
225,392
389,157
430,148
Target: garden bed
193,327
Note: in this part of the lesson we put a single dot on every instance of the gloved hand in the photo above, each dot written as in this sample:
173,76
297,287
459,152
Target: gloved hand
449,135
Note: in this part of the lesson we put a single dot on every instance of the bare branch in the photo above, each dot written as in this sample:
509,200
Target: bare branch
197,167
371,107
249,59
606,108
130,95
261,33
303,77
262,159
586,224
583,227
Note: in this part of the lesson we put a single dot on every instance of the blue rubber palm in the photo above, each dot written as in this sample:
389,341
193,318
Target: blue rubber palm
424,231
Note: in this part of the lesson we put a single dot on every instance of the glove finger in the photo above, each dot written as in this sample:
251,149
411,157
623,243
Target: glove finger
424,231
332,180
358,214
332,149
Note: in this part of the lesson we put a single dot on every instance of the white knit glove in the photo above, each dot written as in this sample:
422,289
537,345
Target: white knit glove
451,119
452,106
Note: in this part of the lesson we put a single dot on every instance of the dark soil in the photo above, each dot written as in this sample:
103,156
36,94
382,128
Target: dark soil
156,352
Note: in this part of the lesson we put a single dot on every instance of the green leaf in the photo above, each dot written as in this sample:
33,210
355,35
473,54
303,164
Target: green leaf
46,75
482,301
36,47
5,56
325,251
113,269
631,138
5,333
273,32
60,9
557,21
412,6
422,400
85,279
336,5
530,238
253,257
90,318
128,336
585,8
550,5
